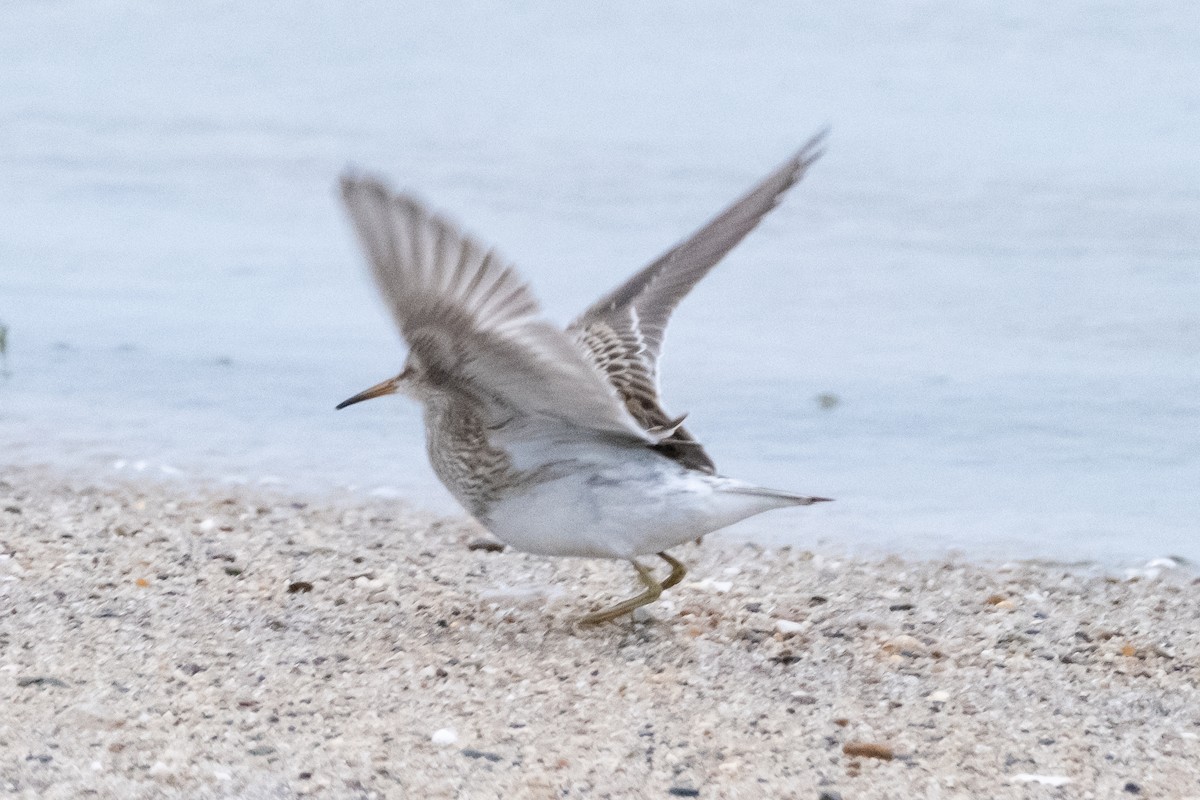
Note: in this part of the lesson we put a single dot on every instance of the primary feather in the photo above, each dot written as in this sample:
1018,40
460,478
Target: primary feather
474,326
622,333
477,330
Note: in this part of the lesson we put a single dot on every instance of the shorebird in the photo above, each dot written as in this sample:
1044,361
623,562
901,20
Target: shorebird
556,440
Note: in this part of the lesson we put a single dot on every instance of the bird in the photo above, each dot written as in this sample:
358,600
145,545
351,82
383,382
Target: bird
555,440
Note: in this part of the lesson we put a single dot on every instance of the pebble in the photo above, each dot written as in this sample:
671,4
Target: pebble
1045,780
642,614
40,681
444,736
1153,569
940,696
904,644
9,564
869,750
710,585
787,627
531,596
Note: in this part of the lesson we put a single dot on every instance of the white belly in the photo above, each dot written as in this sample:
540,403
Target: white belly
621,510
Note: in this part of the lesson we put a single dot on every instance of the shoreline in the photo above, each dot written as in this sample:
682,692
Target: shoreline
769,532
158,640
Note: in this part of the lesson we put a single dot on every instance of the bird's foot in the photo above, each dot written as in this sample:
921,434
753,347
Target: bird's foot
654,590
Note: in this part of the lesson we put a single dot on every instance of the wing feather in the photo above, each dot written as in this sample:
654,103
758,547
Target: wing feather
473,323
622,332
656,290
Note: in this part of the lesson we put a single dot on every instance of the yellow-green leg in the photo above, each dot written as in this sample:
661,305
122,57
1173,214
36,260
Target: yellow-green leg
653,590
678,570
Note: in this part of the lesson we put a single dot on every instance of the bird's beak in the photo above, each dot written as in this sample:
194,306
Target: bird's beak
390,386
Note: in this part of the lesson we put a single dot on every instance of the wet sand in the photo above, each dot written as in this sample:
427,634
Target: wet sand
159,641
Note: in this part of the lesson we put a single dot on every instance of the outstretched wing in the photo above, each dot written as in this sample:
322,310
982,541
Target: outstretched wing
623,331
472,323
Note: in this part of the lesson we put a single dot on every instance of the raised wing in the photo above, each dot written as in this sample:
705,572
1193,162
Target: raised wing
654,292
615,347
472,323
622,333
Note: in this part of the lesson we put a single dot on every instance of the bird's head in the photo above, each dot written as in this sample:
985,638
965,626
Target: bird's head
408,382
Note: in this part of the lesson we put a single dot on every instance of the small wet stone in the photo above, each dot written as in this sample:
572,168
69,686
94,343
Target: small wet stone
40,681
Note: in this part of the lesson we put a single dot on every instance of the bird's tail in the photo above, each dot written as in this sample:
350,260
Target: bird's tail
784,498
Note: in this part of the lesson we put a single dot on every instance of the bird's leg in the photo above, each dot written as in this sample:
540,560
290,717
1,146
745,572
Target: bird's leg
653,590
678,570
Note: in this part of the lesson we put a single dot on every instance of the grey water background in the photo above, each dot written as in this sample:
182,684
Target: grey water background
994,269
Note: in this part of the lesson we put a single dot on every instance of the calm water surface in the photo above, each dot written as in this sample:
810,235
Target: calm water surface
993,273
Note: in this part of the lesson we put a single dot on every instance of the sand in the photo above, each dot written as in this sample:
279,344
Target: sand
160,641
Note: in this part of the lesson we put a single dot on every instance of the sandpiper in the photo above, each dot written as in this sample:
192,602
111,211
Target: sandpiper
556,440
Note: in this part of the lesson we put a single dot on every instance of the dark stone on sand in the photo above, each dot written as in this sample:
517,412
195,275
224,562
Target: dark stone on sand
40,681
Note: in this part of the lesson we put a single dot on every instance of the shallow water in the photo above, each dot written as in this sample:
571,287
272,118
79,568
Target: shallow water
994,271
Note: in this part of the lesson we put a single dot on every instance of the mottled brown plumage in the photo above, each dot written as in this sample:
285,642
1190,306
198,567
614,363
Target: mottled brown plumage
623,331
463,458
557,440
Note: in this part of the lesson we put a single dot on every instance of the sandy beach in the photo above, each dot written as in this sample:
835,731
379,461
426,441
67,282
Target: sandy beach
159,641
